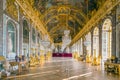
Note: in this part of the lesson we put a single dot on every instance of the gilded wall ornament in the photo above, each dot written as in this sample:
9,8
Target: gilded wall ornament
11,9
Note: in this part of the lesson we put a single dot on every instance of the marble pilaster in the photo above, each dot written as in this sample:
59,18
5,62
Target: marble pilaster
91,42
113,32
84,47
118,32
100,39
1,27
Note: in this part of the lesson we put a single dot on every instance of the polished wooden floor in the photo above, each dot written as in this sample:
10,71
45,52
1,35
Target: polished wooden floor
65,69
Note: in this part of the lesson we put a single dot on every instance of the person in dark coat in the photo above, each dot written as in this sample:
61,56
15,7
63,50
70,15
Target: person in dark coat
116,60
16,58
23,58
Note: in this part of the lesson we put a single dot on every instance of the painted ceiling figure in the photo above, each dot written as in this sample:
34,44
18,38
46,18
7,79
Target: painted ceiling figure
80,11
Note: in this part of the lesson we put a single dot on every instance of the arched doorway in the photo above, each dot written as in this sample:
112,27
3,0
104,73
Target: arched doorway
11,40
96,42
25,38
106,39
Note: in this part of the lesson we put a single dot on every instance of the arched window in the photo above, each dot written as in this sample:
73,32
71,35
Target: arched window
11,38
106,39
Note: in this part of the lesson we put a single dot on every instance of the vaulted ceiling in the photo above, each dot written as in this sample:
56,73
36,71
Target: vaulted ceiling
52,17
60,15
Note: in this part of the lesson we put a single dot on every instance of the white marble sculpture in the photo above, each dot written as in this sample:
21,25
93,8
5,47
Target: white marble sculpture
10,46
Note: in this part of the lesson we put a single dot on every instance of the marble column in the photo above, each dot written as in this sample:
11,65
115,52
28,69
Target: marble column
100,39
84,47
118,40
18,28
118,32
113,32
1,27
20,33
30,38
91,42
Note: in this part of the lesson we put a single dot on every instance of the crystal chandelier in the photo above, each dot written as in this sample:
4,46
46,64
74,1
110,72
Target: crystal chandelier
87,42
45,42
66,39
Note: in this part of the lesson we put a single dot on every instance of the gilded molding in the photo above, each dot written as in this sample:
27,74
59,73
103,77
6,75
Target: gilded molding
100,14
33,14
11,9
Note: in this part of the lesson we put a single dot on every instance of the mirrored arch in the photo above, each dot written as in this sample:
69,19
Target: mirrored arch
11,40
106,39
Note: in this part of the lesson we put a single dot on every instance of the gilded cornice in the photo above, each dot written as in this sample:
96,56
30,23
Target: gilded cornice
33,14
11,9
100,14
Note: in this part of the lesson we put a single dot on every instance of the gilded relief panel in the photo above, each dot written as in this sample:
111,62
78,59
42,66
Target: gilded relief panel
11,9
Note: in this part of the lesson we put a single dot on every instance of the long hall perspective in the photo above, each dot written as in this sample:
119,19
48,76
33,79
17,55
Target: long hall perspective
59,39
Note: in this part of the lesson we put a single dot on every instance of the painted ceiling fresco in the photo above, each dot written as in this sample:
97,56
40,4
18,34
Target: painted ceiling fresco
60,15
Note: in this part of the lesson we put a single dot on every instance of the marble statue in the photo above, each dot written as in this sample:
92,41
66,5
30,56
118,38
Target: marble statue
10,46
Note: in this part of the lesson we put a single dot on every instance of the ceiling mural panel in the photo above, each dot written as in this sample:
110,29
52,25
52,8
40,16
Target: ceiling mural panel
59,15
